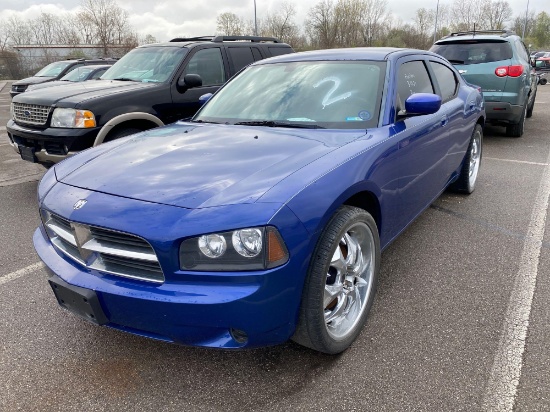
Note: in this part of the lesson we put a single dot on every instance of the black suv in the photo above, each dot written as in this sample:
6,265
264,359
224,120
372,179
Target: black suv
498,62
54,71
150,86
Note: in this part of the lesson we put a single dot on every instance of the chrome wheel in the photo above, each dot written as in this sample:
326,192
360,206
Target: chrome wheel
475,158
349,281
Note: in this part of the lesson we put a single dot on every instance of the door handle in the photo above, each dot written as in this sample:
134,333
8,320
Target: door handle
444,120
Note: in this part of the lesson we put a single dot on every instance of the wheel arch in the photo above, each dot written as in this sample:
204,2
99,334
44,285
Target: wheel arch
136,119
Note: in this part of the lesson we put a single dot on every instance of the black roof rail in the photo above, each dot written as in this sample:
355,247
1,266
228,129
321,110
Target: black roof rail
254,39
503,33
203,38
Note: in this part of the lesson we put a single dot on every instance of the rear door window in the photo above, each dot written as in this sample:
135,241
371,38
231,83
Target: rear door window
473,51
277,51
240,56
446,80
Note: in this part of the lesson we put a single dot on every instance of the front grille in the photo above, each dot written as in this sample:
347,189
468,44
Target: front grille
109,251
30,113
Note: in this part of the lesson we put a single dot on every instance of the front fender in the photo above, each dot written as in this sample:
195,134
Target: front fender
124,118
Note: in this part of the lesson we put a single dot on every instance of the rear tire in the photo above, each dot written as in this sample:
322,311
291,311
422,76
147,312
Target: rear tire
531,106
516,130
467,179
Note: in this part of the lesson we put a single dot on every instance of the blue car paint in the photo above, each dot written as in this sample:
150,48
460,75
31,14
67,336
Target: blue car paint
397,168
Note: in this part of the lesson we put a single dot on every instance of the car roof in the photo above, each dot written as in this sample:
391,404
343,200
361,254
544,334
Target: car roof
356,53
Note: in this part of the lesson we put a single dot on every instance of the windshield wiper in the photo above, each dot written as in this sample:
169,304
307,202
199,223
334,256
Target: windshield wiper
203,121
271,123
456,61
124,79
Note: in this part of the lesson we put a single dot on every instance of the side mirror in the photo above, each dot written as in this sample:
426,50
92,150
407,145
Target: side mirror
422,103
204,98
189,81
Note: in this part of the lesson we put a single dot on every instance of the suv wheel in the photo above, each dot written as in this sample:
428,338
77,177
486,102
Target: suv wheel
516,130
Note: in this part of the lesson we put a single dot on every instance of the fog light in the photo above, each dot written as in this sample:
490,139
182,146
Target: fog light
239,336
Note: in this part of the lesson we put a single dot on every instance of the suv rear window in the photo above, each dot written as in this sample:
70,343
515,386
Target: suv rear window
473,51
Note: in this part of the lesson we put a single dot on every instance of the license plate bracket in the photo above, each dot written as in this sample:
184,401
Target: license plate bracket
80,301
27,153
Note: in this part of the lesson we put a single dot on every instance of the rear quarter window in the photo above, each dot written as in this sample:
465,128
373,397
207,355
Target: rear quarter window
278,51
474,51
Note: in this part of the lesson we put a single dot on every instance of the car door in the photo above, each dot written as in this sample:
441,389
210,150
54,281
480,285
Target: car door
211,64
456,109
423,144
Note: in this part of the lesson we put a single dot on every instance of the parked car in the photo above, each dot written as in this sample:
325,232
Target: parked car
80,74
542,68
54,71
498,61
150,86
263,217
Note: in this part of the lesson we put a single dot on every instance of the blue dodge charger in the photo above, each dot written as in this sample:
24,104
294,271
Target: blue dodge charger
261,219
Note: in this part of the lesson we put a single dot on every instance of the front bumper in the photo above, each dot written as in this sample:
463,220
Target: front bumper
190,308
50,145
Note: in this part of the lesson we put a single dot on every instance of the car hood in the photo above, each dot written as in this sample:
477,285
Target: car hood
196,166
50,84
73,94
32,80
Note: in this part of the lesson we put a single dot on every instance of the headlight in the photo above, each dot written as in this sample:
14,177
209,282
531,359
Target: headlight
72,118
255,248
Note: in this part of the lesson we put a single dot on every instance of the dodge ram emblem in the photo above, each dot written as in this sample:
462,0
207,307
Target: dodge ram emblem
79,204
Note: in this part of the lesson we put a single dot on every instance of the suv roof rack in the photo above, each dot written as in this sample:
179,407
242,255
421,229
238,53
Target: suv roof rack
503,33
203,38
219,39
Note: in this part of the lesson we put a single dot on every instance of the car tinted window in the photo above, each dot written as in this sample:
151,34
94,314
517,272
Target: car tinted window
147,64
256,53
240,56
53,69
277,51
473,51
329,94
97,74
446,80
412,78
208,64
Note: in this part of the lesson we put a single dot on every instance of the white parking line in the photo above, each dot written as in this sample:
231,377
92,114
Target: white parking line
515,161
501,390
21,272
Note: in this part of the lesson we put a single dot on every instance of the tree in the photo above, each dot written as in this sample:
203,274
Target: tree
109,22
466,13
280,24
496,14
321,27
229,24
541,32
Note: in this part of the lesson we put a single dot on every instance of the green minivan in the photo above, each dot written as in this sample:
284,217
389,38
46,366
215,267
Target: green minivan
498,62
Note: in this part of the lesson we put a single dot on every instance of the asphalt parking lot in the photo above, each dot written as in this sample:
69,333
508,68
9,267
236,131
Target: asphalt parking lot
461,320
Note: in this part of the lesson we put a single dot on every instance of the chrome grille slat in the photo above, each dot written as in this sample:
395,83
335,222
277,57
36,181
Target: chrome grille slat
113,252
37,114
132,252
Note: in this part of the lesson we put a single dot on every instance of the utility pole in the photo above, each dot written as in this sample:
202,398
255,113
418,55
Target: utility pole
525,24
436,14
256,21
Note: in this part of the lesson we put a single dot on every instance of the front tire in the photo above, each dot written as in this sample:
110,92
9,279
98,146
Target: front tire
467,179
341,282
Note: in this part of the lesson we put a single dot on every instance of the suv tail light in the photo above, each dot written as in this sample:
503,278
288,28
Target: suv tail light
512,71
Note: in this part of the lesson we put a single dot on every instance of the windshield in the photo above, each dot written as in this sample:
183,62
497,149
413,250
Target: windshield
328,94
78,75
148,64
53,69
473,51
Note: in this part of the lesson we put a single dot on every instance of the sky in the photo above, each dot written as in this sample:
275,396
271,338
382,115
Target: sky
172,18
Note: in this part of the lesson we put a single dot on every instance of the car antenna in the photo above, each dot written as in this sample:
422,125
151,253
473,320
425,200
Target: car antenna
474,30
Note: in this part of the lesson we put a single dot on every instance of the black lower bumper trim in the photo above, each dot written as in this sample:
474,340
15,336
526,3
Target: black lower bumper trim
80,301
